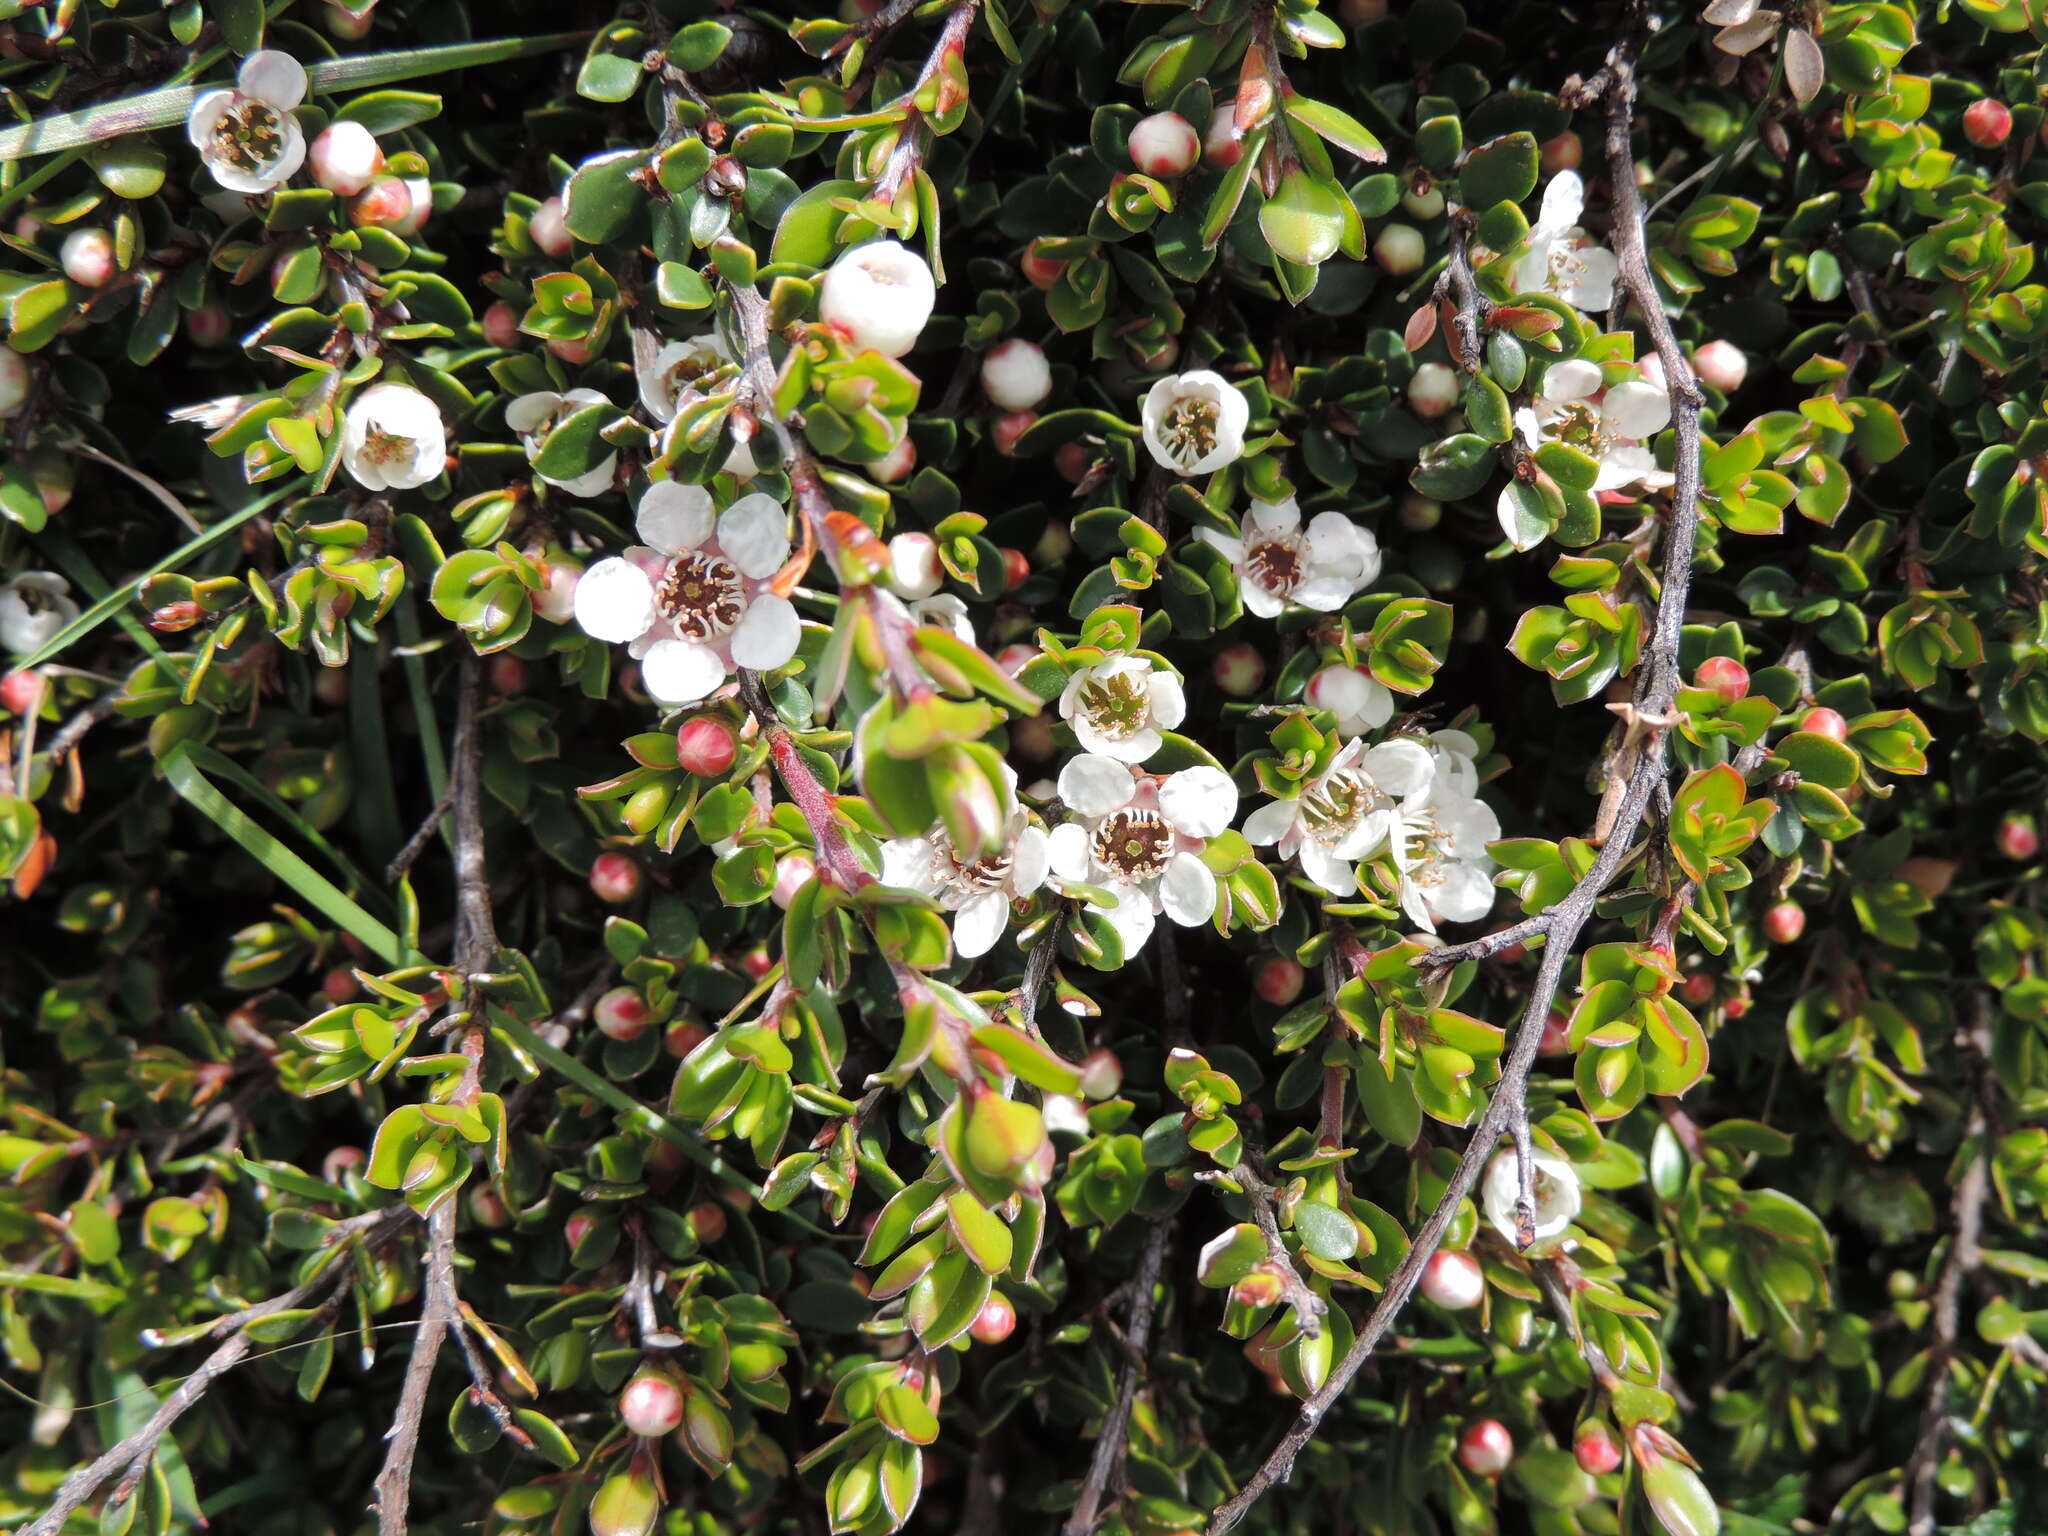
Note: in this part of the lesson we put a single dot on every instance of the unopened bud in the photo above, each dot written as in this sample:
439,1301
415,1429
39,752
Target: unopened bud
1003,1136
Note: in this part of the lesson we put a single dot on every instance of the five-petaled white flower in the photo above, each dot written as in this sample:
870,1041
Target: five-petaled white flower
1194,422
1610,423
1563,259
978,892
33,607
1439,839
1359,700
392,438
1118,707
1553,1193
692,602
1140,838
1345,813
674,376
943,611
534,416
1279,562
878,296
247,136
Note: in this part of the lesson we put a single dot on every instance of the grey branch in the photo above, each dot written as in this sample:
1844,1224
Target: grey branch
1106,1468
1656,688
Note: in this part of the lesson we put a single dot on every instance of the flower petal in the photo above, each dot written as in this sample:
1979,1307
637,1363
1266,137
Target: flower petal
1270,823
754,533
674,517
1573,379
1188,891
1028,862
1400,767
767,637
1066,848
1564,200
1327,870
1093,785
1202,802
614,601
1169,700
681,671
273,78
1132,919
979,923
206,115
1635,409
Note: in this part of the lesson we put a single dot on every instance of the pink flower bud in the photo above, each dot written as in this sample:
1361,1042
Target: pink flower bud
1562,153
1785,922
705,745
501,325
87,256
621,1014
1014,658
1164,144
1595,1449
1101,1074
793,871
1433,391
2018,837
556,602
1239,670
1453,1280
707,1221
335,1166
1721,364
995,1322
614,878
1821,721
1556,1039
549,229
208,325
1015,375
385,204
1485,1448
349,26
1041,271
1400,249
1008,429
651,1404
896,464
421,192
345,158
1278,980
1723,676
1987,123
21,693
487,1207
683,1037
1222,145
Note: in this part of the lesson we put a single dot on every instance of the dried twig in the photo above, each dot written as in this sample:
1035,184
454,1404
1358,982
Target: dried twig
1967,1217
1656,689
130,1457
437,1316
1106,1467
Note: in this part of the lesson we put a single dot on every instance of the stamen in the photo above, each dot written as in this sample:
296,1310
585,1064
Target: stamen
1118,707
1134,844
701,595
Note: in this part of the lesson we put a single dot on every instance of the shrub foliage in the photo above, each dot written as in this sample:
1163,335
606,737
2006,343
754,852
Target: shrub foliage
975,766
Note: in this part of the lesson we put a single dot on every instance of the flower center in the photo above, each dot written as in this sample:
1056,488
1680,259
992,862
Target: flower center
1118,707
1189,429
1425,847
1133,845
962,879
1567,266
383,448
1275,565
701,596
1333,810
248,135
686,370
1578,423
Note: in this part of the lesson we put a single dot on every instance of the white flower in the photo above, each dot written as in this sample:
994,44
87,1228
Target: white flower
1439,840
978,892
392,438
1456,759
1563,259
1345,813
878,296
944,611
692,602
33,607
1015,375
1194,422
1279,562
1553,1192
672,378
1118,707
534,416
914,567
1140,838
1610,423
1360,702
248,136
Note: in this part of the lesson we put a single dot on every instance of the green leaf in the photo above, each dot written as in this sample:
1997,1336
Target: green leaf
602,195
389,111
1503,171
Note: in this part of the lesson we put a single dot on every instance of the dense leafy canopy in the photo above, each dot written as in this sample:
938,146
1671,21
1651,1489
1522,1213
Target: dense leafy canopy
1173,763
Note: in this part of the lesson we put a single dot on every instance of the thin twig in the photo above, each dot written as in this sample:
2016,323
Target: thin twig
1656,689
1964,1255
130,1455
155,488
1295,1292
415,845
437,1316
1106,1467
